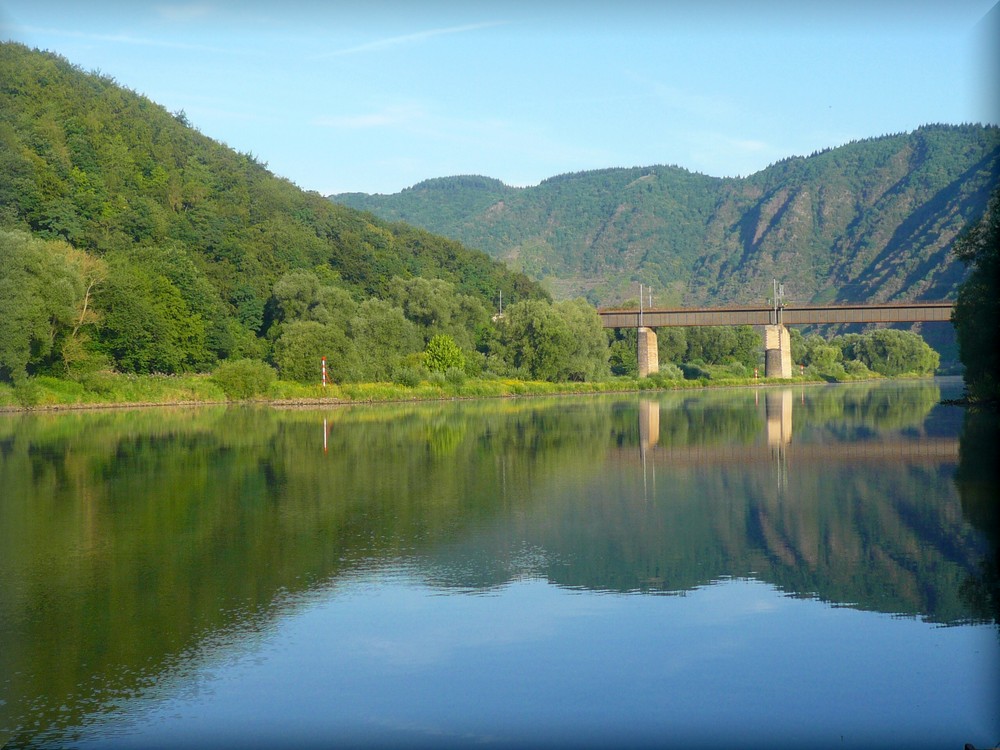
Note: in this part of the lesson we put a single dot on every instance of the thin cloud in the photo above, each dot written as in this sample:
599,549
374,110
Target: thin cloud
395,41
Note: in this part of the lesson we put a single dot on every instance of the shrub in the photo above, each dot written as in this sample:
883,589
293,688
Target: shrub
410,376
443,353
244,378
694,371
856,369
455,376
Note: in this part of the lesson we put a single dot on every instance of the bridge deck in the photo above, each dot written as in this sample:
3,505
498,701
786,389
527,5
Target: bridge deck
896,312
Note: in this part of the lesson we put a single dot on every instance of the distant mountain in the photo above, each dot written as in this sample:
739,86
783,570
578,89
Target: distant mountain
85,160
873,220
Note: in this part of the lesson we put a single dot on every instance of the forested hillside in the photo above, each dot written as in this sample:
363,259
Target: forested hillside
874,220
129,239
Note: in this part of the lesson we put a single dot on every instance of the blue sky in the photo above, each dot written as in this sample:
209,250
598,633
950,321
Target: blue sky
376,95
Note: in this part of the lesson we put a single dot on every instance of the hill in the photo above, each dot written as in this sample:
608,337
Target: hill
171,215
873,220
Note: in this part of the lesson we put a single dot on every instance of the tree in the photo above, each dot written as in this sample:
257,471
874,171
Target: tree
889,352
534,339
40,294
718,345
554,342
443,354
302,345
671,344
588,357
146,324
623,357
977,310
382,337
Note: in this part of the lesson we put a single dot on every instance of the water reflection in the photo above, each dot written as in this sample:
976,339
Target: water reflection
130,540
978,481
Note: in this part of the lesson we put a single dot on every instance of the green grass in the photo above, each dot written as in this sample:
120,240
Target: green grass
115,389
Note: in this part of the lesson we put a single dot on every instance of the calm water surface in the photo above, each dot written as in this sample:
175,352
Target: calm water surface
805,567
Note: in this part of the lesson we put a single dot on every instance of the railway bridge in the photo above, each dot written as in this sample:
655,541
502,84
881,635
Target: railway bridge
773,318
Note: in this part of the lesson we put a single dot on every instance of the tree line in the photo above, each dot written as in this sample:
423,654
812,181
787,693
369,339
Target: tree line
67,313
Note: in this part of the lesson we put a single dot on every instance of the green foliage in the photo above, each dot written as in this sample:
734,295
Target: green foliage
299,350
977,311
244,378
208,233
147,325
872,220
717,345
383,337
588,357
553,342
886,352
437,307
623,356
410,375
443,354
889,352
40,290
455,376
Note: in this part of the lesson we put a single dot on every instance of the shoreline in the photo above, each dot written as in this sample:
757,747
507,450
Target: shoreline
380,393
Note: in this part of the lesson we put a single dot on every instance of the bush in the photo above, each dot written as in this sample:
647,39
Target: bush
857,369
410,376
244,378
442,353
455,376
694,371
27,392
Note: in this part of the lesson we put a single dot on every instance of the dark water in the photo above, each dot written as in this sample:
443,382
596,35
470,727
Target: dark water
809,567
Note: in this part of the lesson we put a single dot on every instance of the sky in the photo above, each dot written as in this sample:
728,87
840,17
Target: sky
374,96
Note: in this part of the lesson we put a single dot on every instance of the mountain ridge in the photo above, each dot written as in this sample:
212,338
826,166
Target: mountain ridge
871,220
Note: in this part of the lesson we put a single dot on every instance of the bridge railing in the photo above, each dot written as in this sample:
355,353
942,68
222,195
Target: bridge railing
790,314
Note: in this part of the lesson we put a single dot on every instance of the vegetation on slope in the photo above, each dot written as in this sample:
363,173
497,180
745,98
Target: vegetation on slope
873,220
977,311
131,240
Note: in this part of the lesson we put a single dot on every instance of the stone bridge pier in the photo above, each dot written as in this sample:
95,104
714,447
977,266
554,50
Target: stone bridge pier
649,355
777,352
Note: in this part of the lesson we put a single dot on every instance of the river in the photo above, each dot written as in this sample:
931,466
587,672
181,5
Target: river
812,566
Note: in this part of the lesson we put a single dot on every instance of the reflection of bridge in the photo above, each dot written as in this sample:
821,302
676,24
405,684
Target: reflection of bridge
779,445
774,318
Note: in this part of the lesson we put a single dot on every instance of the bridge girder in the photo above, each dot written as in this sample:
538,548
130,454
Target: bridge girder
900,312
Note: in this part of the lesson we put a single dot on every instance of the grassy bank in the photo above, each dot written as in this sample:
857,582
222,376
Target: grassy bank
112,389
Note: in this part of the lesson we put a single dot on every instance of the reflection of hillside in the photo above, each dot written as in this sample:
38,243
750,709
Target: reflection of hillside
874,524
128,538
978,483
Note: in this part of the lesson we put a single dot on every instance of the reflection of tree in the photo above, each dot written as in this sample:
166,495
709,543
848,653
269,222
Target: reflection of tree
129,537
978,482
851,410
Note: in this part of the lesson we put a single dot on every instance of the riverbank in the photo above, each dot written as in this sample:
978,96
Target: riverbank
111,390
